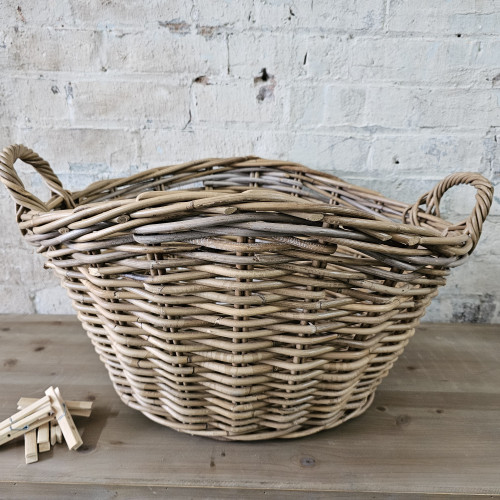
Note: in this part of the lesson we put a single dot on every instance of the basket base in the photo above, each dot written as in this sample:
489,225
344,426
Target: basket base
293,432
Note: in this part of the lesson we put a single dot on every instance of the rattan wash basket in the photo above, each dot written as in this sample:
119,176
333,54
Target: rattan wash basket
244,298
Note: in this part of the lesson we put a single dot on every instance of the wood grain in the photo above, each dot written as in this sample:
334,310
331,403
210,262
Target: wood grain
25,491
432,429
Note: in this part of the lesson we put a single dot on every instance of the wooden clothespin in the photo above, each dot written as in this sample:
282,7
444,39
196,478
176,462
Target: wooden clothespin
30,447
77,408
44,422
35,405
43,438
31,417
64,419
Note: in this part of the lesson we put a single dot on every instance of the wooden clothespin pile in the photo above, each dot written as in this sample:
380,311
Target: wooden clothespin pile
44,422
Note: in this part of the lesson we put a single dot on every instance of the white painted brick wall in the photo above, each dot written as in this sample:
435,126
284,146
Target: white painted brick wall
390,94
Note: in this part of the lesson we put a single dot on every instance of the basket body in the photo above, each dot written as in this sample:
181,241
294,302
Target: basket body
244,298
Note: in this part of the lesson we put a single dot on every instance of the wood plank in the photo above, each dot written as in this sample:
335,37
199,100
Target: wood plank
27,491
433,428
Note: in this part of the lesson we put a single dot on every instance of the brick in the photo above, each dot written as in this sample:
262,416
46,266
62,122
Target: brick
460,308
50,49
461,17
250,52
443,62
323,56
395,107
161,51
221,13
15,300
12,275
326,106
33,102
282,14
117,150
347,15
424,155
28,13
238,102
97,14
131,14
6,41
328,153
7,137
307,56
491,155
487,62
100,103
130,103
474,272
273,145
163,147
53,300
26,266
166,147
489,245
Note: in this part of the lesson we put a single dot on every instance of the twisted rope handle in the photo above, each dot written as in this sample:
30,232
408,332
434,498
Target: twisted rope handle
15,185
474,223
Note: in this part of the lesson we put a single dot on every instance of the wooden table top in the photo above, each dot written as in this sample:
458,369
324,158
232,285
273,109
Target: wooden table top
433,429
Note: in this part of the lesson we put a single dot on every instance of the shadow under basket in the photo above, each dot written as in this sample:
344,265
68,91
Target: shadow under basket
244,298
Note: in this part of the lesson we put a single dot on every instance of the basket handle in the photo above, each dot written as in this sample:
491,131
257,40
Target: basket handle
474,223
15,185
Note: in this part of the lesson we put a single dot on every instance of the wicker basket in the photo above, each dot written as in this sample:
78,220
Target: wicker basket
243,298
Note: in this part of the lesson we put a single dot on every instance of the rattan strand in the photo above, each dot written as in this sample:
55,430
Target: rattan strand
244,298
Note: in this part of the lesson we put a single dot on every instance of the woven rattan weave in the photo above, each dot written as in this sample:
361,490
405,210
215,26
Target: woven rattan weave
244,298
